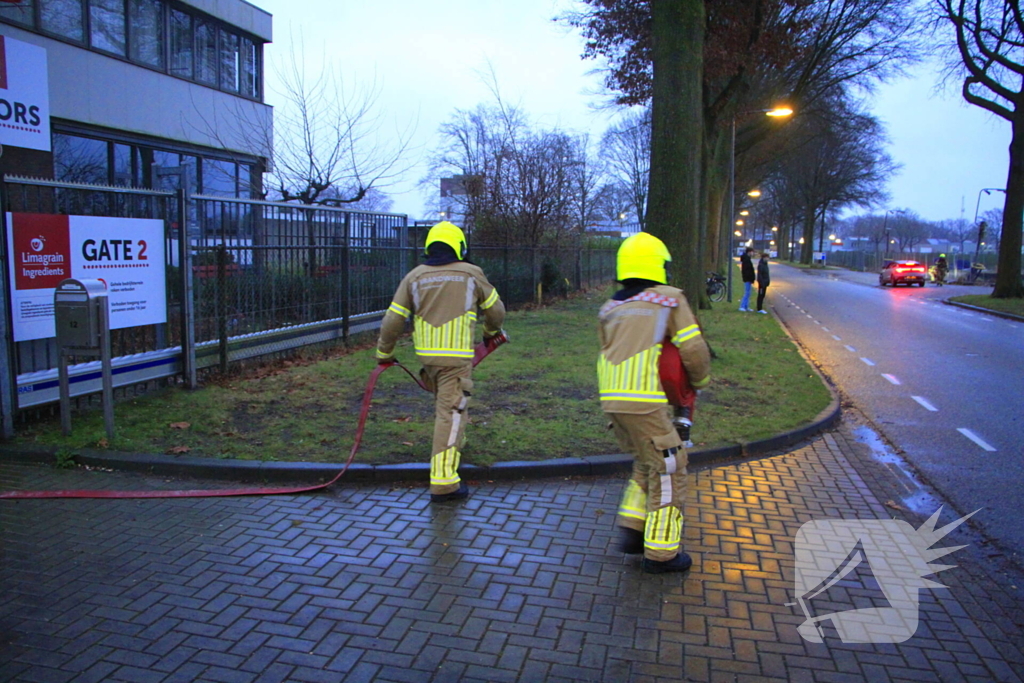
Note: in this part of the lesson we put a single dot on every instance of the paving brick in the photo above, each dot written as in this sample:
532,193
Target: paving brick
521,582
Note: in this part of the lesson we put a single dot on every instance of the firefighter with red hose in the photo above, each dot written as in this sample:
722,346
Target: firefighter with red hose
442,297
642,319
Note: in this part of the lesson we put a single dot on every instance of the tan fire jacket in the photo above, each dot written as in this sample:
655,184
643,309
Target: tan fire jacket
442,300
631,334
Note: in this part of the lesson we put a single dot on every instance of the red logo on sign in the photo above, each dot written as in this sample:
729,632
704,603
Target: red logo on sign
42,250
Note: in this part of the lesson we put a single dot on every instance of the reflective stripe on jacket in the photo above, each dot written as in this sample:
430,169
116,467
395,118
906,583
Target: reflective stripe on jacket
632,333
442,302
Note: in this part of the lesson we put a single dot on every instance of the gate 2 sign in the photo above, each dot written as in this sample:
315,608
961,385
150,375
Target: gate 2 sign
126,253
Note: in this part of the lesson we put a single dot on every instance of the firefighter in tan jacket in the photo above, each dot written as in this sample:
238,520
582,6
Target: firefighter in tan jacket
634,325
442,297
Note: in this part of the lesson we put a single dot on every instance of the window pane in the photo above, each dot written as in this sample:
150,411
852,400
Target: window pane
106,25
219,178
181,44
206,52
21,13
146,19
229,59
126,166
63,17
250,84
245,188
79,160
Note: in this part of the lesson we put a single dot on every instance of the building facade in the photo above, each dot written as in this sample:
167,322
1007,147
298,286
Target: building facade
136,86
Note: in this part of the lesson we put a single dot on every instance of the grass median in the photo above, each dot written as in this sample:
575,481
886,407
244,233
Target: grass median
1013,306
533,399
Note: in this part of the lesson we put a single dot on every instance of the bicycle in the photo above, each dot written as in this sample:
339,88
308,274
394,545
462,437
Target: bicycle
715,287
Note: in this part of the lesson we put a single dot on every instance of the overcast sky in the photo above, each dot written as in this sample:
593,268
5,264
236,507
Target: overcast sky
427,58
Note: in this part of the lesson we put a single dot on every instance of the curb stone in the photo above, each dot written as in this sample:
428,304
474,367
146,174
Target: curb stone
256,471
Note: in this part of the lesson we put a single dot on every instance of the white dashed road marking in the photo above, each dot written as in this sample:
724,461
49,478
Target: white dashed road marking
868,361
892,380
824,328
925,403
849,348
836,338
976,439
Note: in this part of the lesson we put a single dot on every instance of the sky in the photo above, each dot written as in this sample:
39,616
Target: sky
431,57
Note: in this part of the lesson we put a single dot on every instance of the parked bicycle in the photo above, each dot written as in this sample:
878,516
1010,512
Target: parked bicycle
715,285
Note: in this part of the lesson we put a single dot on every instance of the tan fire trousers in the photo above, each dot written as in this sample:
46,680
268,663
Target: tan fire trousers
452,387
655,494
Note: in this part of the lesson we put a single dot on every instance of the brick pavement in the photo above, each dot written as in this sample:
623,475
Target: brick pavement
520,583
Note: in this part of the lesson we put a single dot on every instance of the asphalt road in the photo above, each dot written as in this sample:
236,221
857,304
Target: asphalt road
944,385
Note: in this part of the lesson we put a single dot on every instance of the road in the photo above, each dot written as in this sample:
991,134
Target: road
941,383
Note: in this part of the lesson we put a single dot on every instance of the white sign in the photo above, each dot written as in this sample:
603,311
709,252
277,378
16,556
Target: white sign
126,253
24,95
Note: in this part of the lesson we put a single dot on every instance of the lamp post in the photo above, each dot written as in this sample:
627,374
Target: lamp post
775,112
977,207
886,231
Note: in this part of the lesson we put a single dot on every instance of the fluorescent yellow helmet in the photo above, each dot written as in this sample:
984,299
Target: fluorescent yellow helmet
450,234
643,256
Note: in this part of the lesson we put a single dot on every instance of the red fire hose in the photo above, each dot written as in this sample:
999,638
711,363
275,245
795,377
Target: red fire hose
482,350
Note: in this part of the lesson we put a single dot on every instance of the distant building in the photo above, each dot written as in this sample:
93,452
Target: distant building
139,84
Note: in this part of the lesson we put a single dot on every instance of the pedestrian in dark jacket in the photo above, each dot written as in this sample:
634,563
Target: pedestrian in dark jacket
747,271
763,280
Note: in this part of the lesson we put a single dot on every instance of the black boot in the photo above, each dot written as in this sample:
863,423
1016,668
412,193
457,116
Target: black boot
679,563
631,541
461,494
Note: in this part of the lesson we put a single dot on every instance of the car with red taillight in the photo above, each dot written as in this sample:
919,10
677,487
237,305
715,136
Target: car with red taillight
903,272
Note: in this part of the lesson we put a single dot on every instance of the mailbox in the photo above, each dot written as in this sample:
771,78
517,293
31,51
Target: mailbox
82,320
77,314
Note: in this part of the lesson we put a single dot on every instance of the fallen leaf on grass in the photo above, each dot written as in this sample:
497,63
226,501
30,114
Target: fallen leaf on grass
894,505
180,425
177,450
102,443
407,418
408,443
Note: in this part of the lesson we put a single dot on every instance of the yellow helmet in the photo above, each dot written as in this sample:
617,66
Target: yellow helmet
450,234
643,256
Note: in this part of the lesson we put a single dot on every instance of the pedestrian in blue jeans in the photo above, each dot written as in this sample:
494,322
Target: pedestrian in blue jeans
747,270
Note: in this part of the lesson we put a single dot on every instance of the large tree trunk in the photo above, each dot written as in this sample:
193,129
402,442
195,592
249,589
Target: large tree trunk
673,203
1008,279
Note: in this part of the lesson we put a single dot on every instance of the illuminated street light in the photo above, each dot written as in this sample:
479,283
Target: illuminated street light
744,212
738,233
754,193
801,240
775,228
779,112
739,222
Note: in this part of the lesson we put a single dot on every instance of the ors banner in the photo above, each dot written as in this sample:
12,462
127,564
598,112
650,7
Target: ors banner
126,253
24,95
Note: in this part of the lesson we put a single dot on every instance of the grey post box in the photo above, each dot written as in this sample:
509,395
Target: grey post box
76,309
81,317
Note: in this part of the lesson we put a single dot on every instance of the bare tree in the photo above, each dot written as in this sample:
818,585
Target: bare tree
990,46
626,149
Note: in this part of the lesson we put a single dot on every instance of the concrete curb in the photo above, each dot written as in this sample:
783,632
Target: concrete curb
982,309
255,471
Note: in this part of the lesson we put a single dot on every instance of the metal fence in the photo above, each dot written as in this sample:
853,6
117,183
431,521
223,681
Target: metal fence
247,278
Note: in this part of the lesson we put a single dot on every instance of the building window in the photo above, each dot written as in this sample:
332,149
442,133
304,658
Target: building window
219,178
229,59
126,166
146,23
19,14
161,34
206,52
181,44
63,18
80,160
106,25
250,69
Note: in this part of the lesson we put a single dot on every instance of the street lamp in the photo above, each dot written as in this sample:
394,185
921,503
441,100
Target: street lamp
779,111
981,229
886,231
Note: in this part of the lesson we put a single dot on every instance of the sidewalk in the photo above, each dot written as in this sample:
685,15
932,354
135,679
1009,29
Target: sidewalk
521,582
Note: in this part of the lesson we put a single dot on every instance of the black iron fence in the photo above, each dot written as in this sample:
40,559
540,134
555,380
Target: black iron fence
246,278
